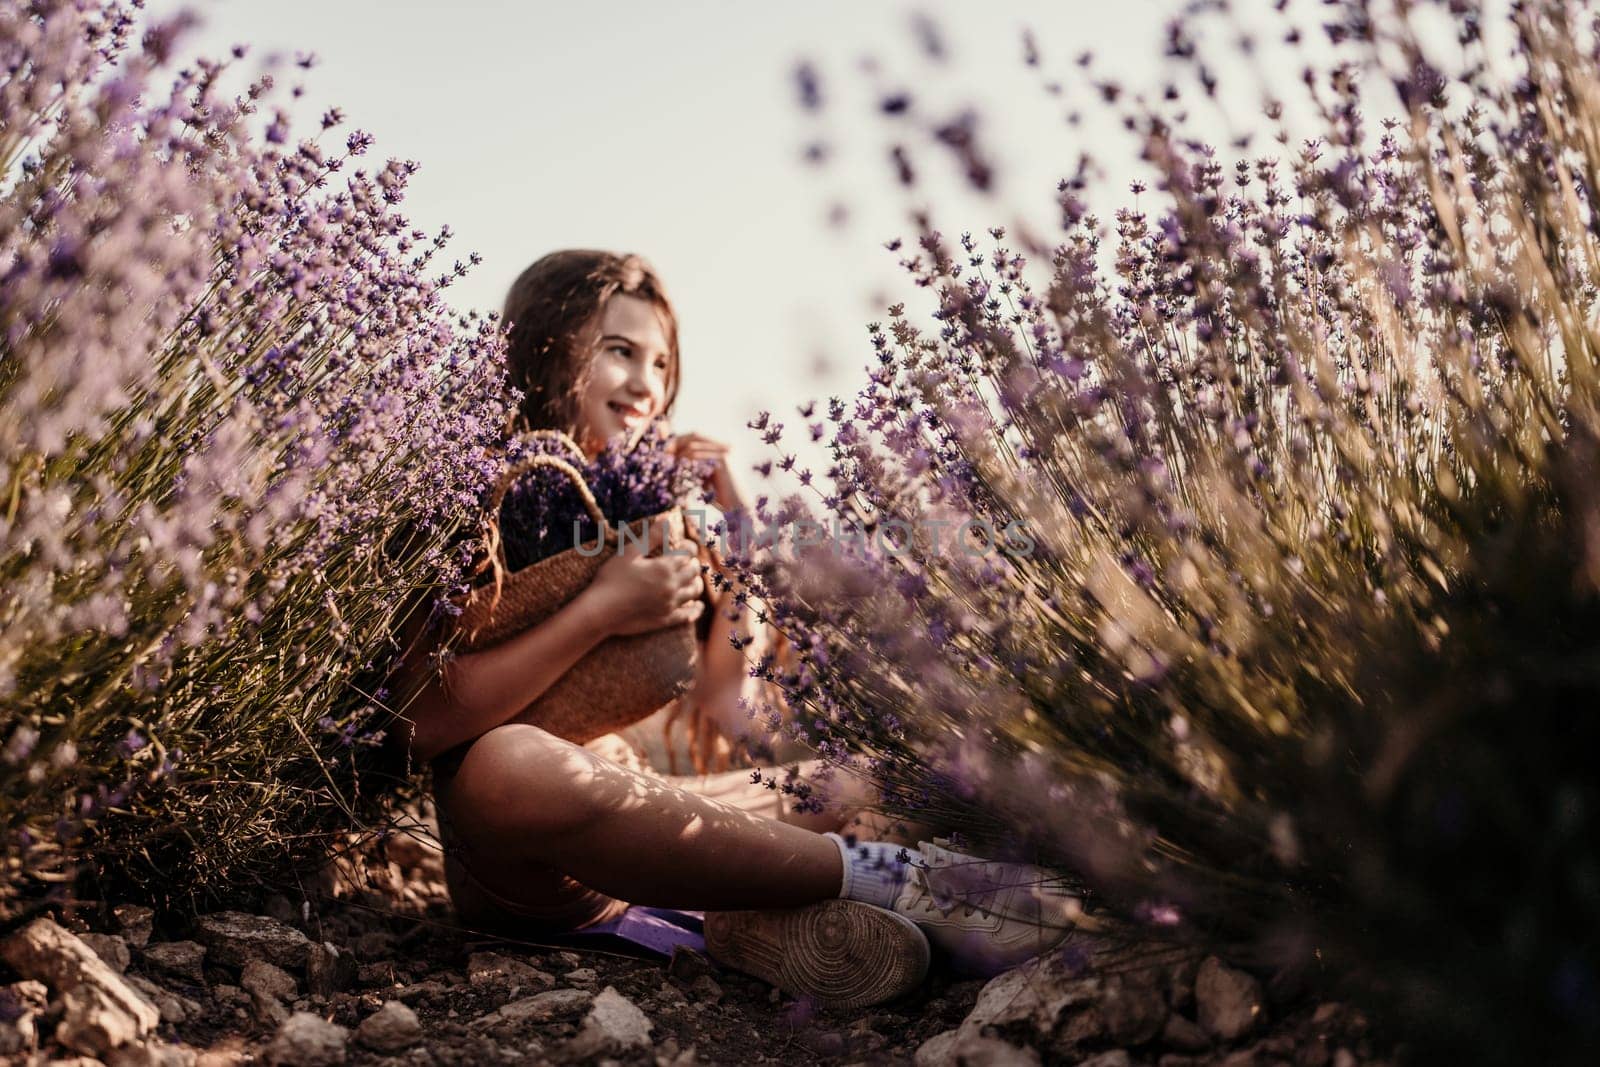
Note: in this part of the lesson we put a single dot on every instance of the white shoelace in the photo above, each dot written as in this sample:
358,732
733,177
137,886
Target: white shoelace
927,899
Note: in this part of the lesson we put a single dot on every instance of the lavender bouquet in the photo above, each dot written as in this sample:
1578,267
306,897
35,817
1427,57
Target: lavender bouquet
542,514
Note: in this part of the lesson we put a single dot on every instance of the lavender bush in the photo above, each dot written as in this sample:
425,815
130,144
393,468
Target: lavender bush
1297,654
239,426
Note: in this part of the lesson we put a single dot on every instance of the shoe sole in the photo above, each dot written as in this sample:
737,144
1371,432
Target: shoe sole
839,953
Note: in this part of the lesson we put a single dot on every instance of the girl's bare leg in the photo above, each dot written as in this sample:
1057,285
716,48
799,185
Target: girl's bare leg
529,799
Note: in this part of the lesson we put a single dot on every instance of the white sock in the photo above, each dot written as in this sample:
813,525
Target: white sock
873,870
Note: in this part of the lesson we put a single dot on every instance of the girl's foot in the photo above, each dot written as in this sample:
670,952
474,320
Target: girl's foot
839,953
988,915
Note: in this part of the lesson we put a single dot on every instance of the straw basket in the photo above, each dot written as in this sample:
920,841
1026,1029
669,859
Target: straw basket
621,680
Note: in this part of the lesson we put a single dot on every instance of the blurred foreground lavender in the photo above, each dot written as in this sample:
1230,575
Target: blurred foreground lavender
1297,650
238,424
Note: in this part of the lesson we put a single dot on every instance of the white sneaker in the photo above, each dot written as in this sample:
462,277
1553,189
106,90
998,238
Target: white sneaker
989,915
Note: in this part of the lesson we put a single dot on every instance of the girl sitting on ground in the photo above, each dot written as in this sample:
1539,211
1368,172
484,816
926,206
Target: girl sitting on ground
545,835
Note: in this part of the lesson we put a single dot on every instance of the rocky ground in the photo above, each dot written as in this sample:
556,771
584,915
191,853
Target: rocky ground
372,970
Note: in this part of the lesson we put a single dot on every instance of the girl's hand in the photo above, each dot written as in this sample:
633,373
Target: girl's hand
636,592
725,492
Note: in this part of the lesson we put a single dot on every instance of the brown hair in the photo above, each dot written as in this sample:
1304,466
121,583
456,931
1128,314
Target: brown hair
553,311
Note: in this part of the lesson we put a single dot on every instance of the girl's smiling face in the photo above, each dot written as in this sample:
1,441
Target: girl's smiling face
628,376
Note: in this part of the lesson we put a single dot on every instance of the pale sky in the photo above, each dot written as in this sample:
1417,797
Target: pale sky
673,130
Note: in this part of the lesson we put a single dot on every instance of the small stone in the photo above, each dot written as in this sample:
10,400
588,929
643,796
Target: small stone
416,848
269,1011
26,995
686,1058
392,1028
973,1050
376,974
1034,999
329,969
583,976
183,959
151,1053
306,1040
1244,1057
705,988
864,1039
1183,1035
1344,1058
1326,1013
1228,1001
21,1005
93,1024
669,1055
268,981
235,938
1131,1012
136,923
1113,1058
425,990
169,1004
230,994
226,1054
938,1050
614,1023
821,1042
966,1047
101,1010
546,1007
110,948
571,959
488,969
686,964
1180,983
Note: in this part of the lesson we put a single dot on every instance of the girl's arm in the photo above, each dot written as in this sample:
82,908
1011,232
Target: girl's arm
724,674
474,692
466,697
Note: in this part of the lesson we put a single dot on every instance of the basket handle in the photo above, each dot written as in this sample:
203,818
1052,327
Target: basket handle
533,463
559,438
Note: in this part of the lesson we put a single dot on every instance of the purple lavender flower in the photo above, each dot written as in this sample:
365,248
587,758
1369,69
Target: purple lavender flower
543,514
241,416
